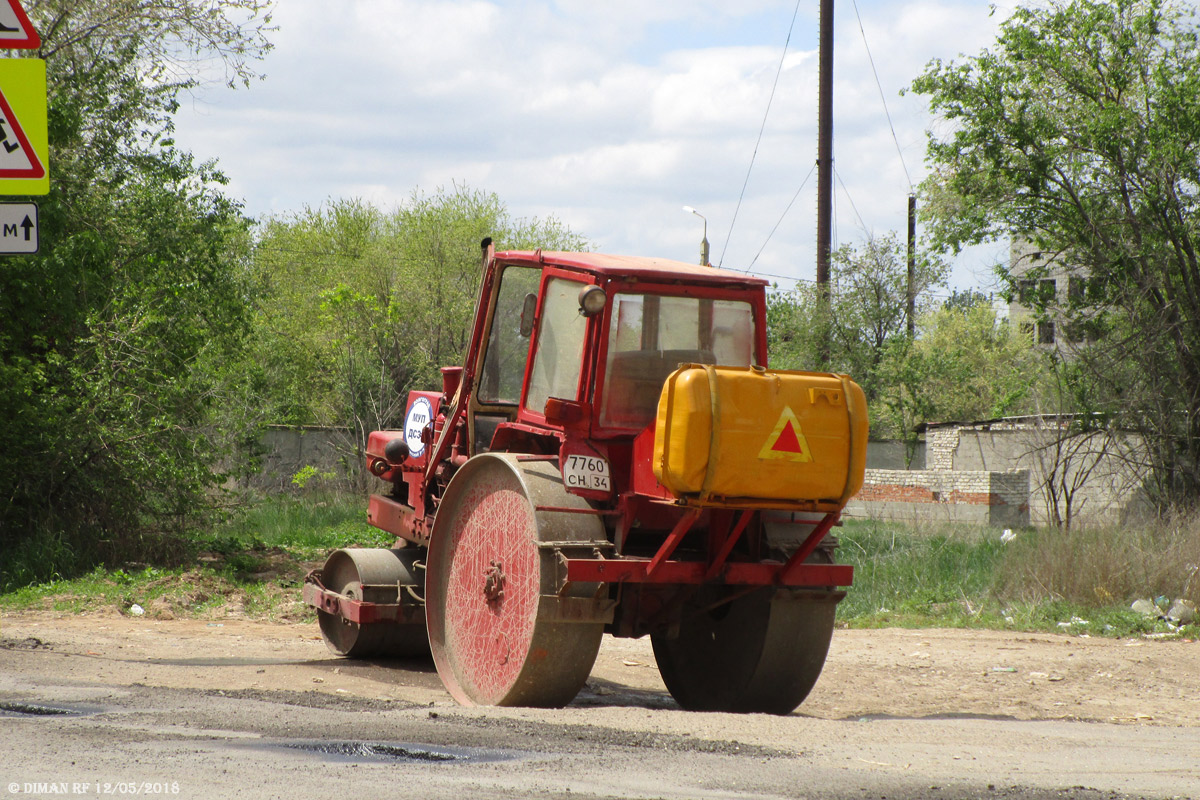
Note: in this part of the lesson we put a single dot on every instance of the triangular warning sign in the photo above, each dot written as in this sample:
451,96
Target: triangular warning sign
15,28
17,157
787,440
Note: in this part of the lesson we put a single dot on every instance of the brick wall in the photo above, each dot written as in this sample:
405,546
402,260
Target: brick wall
999,499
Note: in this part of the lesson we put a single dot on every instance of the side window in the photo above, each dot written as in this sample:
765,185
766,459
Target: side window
558,360
507,349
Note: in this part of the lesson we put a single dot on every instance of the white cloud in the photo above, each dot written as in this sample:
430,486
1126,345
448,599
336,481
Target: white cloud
610,116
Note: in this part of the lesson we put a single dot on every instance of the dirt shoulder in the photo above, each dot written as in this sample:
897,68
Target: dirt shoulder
888,673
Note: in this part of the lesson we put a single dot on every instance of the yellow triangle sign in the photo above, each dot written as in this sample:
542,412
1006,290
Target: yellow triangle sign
23,140
18,159
787,440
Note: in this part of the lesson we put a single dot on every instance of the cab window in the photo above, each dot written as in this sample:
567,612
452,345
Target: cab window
651,335
558,360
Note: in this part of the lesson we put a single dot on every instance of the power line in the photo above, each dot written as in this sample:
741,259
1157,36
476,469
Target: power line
758,141
853,207
781,216
882,98
327,256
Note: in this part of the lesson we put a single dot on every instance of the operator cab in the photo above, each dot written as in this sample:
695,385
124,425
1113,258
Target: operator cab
589,339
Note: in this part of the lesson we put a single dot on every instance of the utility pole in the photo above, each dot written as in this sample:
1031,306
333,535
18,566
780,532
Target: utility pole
910,308
824,171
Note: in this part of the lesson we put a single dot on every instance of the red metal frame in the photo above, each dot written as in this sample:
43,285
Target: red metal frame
550,272
389,514
627,569
672,541
796,563
727,547
661,570
613,274
437,449
358,611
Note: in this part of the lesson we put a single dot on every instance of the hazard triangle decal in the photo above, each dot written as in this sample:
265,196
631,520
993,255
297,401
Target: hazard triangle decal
787,440
17,158
16,30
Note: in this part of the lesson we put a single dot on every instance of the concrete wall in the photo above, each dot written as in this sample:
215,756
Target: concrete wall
1101,470
997,499
889,454
287,450
982,496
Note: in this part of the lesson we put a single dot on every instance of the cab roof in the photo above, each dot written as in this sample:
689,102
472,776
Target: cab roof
642,268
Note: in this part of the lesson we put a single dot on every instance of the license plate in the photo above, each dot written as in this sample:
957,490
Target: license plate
587,472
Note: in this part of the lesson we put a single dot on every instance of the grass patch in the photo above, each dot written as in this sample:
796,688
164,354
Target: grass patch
1096,567
942,574
1081,582
308,527
251,565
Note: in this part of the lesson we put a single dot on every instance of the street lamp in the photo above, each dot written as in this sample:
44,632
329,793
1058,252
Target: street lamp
704,241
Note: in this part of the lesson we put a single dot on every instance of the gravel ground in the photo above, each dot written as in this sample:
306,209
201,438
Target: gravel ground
231,708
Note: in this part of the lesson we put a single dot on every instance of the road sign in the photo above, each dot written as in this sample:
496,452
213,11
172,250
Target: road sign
24,152
15,28
18,228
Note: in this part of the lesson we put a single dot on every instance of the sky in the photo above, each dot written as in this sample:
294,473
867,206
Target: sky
609,115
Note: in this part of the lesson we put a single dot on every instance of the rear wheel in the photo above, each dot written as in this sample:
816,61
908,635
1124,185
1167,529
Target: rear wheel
372,575
492,591
761,652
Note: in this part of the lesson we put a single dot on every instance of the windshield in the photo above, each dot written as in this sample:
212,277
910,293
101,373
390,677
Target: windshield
651,335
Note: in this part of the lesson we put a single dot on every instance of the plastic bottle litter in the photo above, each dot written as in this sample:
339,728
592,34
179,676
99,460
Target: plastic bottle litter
1182,612
1145,606
1007,536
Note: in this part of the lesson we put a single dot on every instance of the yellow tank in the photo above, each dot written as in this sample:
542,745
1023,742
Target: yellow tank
747,436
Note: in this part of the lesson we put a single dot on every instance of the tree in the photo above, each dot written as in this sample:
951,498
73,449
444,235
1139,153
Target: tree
116,335
866,311
1079,132
1069,453
870,300
356,306
173,42
963,365
797,323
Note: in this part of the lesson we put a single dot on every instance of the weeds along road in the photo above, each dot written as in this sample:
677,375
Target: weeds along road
110,705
